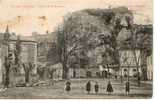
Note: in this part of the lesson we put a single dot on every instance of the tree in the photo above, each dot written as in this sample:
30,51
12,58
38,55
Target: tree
27,69
7,72
141,39
76,34
7,63
144,43
40,72
116,20
17,50
81,31
17,53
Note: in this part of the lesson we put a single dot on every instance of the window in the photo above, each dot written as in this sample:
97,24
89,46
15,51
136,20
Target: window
23,47
88,74
125,70
134,70
12,46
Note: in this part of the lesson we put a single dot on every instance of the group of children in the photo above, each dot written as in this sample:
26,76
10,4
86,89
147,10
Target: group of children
96,87
109,88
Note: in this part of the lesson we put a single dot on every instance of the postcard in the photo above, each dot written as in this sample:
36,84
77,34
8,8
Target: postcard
76,49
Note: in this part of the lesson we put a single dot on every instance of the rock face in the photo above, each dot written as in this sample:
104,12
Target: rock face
95,29
109,23
88,29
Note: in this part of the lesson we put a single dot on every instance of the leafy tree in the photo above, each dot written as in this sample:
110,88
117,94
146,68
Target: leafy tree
7,72
27,69
7,63
76,34
142,39
17,50
117,20
17,53
85,30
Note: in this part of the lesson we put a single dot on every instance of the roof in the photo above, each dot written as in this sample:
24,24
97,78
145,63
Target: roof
14,37
23,38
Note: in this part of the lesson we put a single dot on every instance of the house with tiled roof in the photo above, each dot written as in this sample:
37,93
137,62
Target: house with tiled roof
138,58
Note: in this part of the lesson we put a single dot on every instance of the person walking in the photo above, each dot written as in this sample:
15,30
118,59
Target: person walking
109,88
96,87
68,86
127,89
88,87
138,79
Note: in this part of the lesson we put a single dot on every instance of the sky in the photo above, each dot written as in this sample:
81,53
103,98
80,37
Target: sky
26,16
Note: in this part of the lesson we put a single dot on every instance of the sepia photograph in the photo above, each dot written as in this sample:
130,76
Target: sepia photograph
76,49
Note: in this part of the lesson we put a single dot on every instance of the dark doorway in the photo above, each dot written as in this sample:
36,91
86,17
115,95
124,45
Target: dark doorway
104,74
89,74
74,74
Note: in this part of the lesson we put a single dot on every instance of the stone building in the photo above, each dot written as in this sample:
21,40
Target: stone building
45,42
28,50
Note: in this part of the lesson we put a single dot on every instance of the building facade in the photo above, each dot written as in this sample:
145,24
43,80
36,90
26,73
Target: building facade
150,67
130,62
28,52
45,42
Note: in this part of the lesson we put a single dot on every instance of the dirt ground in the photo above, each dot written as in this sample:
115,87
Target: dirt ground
78,90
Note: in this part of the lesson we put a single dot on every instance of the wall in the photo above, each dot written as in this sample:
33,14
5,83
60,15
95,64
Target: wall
28,53
150,67
128,59
80,72
1,71
132,70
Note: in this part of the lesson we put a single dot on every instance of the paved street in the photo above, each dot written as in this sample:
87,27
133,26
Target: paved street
78,90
